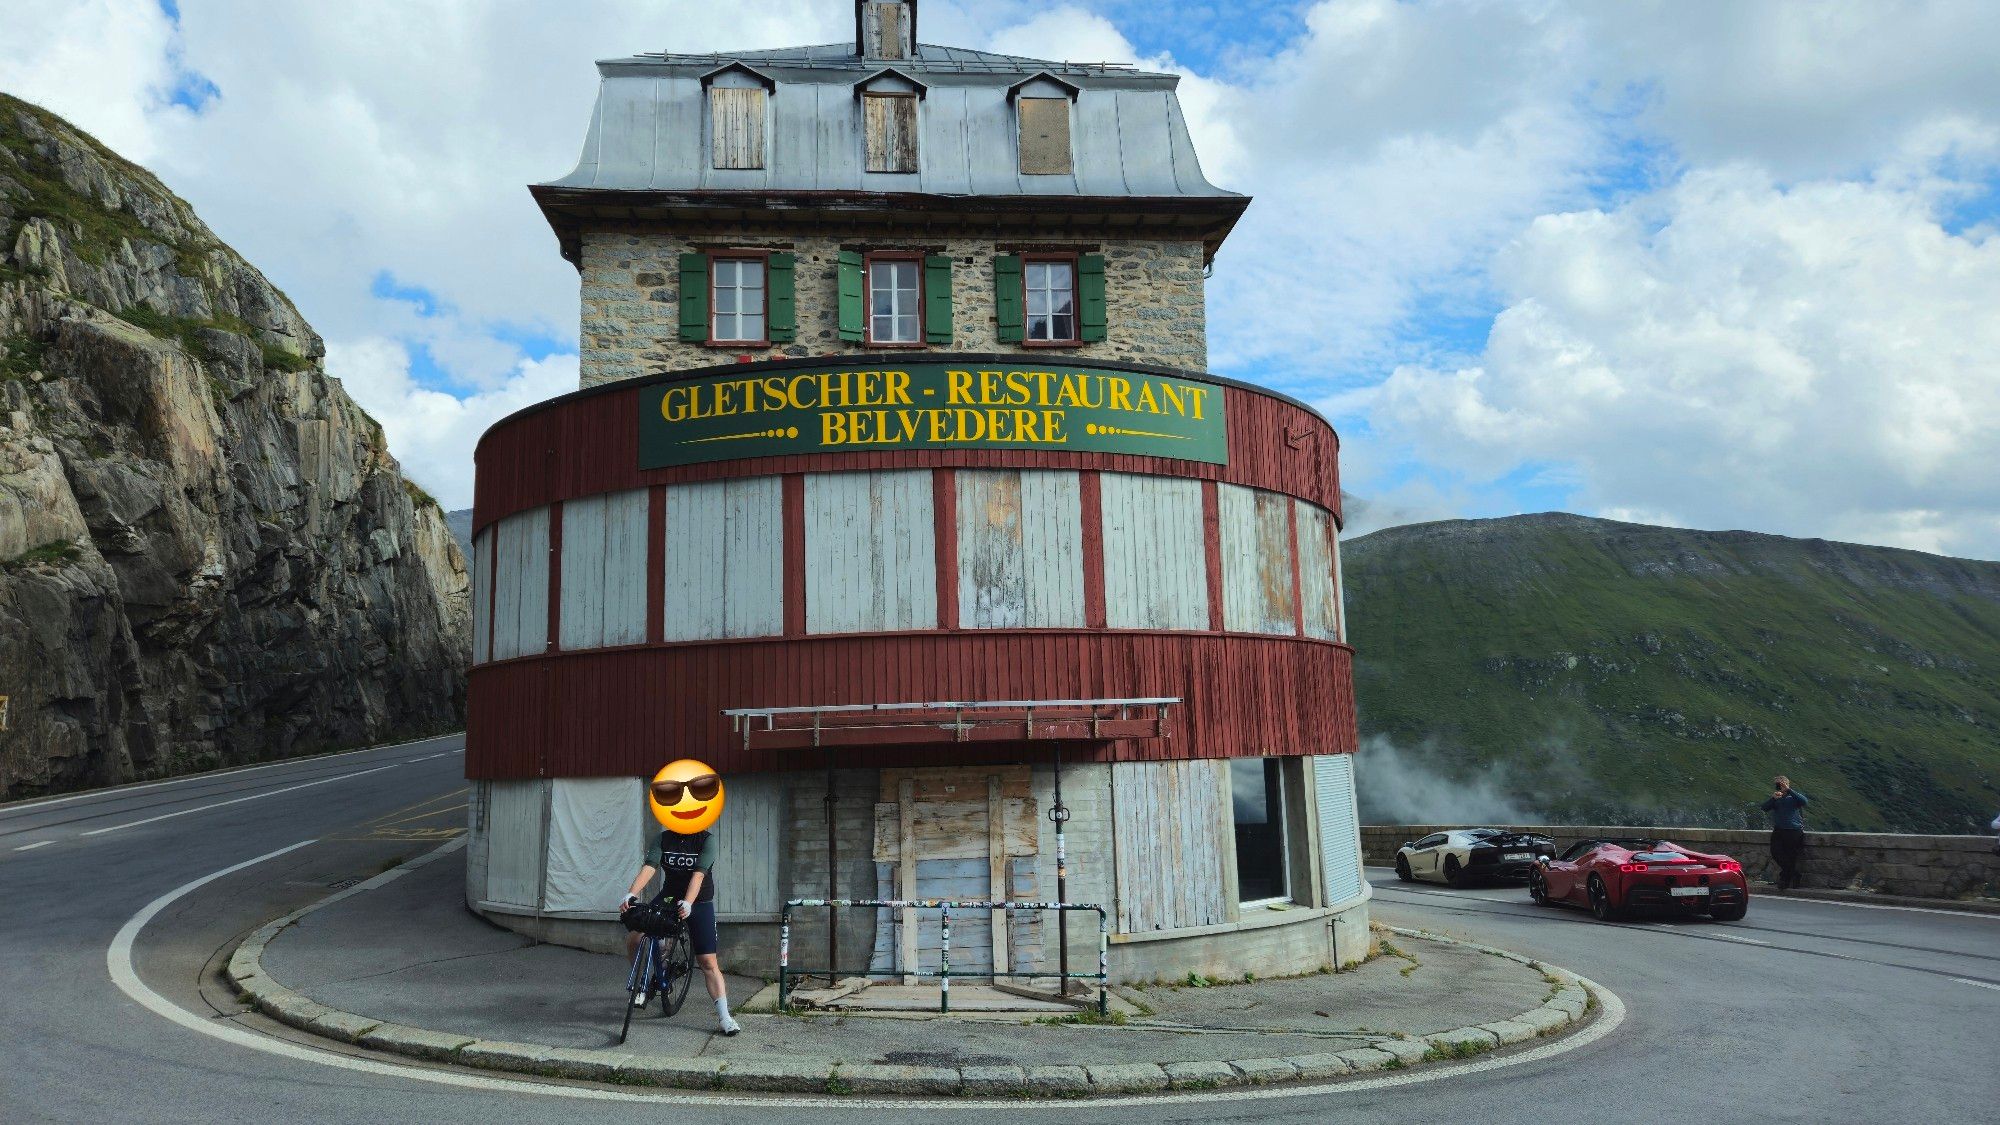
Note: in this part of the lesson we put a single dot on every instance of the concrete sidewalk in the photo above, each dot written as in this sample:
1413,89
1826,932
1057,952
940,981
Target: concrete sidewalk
404,967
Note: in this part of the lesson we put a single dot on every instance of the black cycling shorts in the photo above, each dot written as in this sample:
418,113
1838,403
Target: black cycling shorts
701,928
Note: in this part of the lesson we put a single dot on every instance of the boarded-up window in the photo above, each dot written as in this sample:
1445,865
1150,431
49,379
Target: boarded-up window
890,127
737,127
883,34
1044,136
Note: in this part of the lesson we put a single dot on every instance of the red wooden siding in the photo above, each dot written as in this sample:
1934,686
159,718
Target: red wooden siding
590,444
621,712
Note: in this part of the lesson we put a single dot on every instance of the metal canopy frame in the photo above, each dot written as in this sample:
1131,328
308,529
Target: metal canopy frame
993,720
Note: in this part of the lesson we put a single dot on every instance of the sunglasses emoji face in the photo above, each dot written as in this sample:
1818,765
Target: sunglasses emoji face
686,797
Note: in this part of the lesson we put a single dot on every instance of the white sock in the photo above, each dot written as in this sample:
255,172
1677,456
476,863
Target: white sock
722,1008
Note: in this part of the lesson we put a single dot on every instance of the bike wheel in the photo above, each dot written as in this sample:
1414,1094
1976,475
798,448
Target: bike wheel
676,972
635,982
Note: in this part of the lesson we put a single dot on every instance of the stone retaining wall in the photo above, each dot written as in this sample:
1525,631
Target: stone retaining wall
1958,867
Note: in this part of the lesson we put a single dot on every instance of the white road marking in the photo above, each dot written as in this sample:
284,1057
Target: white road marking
240,800
32,847
1734,938
118,960
1978,983
210,775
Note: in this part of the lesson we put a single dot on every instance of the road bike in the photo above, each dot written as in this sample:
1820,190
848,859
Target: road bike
663,965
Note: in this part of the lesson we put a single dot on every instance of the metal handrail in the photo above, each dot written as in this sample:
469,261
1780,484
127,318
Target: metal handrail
944,906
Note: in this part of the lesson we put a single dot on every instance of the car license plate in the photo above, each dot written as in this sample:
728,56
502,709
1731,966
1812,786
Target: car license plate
1687,892
1515,855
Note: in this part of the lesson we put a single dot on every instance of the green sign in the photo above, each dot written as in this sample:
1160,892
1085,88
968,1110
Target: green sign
929,406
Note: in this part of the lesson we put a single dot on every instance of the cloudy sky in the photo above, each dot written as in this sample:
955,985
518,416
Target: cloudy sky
1722,265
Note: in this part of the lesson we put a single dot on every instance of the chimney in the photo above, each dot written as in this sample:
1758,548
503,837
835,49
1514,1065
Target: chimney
885,29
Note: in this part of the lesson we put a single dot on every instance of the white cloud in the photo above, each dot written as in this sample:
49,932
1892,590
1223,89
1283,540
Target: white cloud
1818,359
433,433
101,63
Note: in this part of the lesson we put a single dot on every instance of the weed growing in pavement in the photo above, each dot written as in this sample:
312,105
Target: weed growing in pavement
835,1084
1389,950
1395,1063
1440,1052
1196,980
1091,1018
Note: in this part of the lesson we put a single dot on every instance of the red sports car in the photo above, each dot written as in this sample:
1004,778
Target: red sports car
1614,876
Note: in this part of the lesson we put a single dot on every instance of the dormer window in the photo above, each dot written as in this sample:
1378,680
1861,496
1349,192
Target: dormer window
738,104
1042,111
889,121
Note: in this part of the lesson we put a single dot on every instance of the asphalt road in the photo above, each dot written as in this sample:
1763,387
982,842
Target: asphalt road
1805,1011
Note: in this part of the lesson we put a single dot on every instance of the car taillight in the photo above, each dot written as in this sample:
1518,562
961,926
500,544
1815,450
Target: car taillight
1631,867
1731,865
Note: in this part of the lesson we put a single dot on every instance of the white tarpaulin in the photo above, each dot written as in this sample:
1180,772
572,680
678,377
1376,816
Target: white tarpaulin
594,842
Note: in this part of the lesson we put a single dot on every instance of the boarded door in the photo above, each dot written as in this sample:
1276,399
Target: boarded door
955,833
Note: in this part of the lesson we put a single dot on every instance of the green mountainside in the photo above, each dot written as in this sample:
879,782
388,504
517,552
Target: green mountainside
1589,671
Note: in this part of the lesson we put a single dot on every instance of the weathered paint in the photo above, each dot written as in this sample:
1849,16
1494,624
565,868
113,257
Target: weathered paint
482,596
603,572
1339,827
725,553
588,442
1316,584
751,843
608,712
517,810
736,127
521,590
1168,818
1020,549
870,557
1155,575
1256,551
1339,588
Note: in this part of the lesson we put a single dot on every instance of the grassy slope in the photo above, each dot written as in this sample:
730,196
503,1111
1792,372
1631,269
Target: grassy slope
1626,672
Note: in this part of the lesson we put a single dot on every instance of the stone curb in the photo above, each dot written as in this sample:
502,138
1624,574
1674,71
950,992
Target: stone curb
1567,1005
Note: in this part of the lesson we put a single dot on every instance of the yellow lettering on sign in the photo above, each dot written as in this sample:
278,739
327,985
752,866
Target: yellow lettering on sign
1120,393
899,387
832,429
673,408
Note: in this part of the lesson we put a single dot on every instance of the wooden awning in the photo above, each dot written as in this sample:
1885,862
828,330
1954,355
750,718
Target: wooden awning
1008,720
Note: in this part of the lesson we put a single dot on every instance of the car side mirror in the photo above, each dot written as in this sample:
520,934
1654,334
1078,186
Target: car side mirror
1407,843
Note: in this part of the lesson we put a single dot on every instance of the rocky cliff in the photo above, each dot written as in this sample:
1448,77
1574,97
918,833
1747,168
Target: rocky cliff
207,554
1596,672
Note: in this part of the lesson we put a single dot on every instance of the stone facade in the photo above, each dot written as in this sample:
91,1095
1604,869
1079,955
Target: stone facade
631,301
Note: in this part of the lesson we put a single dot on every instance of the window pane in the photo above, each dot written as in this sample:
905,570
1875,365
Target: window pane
725,300
1038,302
906,329
1257,803
1064,328
751,326
750,273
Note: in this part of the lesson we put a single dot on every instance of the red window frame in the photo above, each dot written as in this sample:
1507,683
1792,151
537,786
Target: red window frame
715,256
1073,261
868,261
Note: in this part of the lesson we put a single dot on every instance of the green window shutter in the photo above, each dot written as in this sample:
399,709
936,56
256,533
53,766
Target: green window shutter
694,298
937,299
783,296
1090,297
1008,298
853,301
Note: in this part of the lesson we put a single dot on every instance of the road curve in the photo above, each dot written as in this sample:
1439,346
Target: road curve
1804,1011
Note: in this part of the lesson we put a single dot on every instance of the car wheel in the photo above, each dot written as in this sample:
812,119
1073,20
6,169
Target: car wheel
1730,913
1453,873
1538,887
1403,868
1600,902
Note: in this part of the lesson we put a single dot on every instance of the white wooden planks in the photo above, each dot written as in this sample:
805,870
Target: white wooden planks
1020,550
521,588
1256,560
604,570
725,560
1168,819
1339,586
750,838
1316,584
514,842
736,127
1155,567
1339,826
871,562
482,595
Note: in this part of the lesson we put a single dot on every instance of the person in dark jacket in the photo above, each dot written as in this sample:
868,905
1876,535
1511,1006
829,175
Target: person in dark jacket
1788,830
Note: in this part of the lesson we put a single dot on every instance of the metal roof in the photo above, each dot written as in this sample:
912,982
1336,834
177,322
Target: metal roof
648,130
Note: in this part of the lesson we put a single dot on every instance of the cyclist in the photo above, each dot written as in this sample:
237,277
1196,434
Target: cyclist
687,864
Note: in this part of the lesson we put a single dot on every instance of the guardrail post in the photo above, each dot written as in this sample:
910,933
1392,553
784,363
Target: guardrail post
784,951
944,978
1103,964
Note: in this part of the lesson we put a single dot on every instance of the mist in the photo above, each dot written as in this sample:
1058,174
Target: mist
1398,786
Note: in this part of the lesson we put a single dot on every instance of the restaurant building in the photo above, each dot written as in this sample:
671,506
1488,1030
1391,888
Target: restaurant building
897,491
